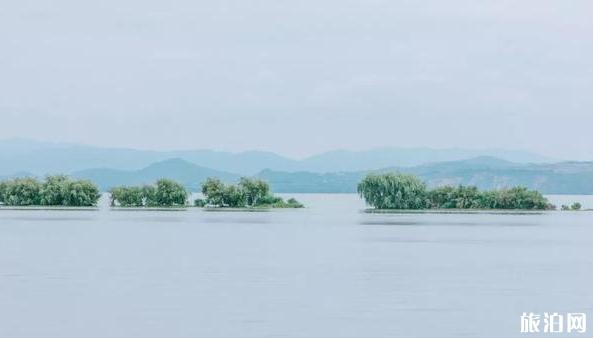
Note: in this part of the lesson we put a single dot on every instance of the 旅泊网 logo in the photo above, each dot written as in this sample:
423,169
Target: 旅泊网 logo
553,322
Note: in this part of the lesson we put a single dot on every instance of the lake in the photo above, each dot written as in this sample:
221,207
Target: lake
329,270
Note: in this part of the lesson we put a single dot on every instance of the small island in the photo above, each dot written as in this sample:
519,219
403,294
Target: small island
249,193
576,206
395,191
164,193
54,191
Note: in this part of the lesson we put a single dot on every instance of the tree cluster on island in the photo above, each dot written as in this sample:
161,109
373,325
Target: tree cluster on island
59,190
163,193
403,191
248,193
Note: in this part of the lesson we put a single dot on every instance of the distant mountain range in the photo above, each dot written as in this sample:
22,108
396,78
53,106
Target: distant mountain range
484,172
41,158
188,174
334,172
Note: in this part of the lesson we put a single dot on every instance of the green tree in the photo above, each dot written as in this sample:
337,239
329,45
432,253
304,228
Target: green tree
393,191
234,197
460,197
57,190
576,206
271,200
149,196
81,193
467,197
170,193
53,190
222,195
22,192
248,193
518,198
442,198
254,190
127,197
213,189
164,193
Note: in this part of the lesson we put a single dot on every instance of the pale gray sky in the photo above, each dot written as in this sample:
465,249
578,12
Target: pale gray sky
300,77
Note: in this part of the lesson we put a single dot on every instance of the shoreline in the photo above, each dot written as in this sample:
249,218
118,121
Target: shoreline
47,208
471,211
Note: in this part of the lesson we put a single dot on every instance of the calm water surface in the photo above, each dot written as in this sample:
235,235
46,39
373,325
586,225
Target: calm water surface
325,271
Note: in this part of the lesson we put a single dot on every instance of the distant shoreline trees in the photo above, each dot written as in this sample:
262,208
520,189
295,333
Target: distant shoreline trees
381,191
248,193
402,191
59,190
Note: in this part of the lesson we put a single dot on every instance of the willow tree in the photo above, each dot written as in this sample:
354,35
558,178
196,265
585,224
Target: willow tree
164,193
81,193
22,192
54,190
61,190
393,191
57,190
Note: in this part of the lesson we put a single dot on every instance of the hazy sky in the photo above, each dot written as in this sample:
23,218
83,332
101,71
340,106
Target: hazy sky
300,77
